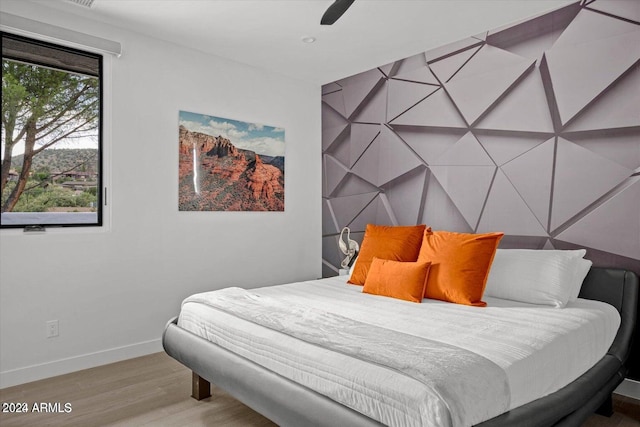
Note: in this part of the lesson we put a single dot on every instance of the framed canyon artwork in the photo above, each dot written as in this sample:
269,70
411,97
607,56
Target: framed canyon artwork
229,165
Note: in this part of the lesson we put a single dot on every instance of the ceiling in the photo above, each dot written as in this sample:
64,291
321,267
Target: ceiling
268,33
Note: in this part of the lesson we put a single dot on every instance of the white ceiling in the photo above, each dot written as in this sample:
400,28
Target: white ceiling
267,33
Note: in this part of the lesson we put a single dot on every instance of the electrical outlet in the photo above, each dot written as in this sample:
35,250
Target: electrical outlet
52,328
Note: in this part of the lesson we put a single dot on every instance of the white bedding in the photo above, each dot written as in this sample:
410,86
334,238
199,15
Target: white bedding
540,348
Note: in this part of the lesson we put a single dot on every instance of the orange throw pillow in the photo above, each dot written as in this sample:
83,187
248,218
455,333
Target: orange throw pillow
460,264
397,243
396,279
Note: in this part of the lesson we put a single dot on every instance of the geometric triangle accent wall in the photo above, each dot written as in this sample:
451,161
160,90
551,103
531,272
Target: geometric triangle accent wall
532,129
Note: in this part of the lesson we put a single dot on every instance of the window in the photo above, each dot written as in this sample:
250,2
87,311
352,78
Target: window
51,135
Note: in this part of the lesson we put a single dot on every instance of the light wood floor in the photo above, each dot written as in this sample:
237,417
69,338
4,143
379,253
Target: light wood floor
154,391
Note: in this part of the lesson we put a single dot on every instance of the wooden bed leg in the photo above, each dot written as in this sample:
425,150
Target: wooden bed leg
200,388
606,409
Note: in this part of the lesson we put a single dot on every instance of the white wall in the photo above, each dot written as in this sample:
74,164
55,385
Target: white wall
113,291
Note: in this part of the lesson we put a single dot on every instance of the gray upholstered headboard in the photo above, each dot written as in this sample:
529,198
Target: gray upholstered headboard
620,289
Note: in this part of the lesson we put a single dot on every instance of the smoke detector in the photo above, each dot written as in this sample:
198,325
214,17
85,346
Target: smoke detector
85,3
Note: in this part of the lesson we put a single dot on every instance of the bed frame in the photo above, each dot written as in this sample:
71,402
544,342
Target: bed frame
290,404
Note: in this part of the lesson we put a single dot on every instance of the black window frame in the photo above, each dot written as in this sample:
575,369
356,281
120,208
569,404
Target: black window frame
100,190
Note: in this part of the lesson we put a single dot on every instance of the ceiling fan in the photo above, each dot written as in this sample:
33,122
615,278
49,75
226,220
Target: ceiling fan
335,11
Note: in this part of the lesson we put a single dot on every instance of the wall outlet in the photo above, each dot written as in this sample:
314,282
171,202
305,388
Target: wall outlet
52,328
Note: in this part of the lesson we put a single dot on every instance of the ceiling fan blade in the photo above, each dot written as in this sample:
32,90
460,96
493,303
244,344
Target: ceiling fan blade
335,11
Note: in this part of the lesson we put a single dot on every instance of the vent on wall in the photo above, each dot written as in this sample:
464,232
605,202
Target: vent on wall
85,3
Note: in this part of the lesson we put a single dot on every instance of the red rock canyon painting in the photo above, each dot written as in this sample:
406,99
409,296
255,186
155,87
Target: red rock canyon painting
229,165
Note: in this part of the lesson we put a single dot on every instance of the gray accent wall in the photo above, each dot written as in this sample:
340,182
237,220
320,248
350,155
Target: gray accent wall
532,129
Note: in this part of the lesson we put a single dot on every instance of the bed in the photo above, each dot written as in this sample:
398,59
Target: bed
288,403
428,328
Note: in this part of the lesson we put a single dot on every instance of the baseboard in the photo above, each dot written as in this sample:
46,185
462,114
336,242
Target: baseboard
77,363
629,388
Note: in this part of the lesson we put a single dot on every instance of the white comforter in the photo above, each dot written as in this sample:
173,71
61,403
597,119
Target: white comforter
538,349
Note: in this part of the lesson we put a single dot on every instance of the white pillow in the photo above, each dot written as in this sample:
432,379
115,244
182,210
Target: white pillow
546,277
582,268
